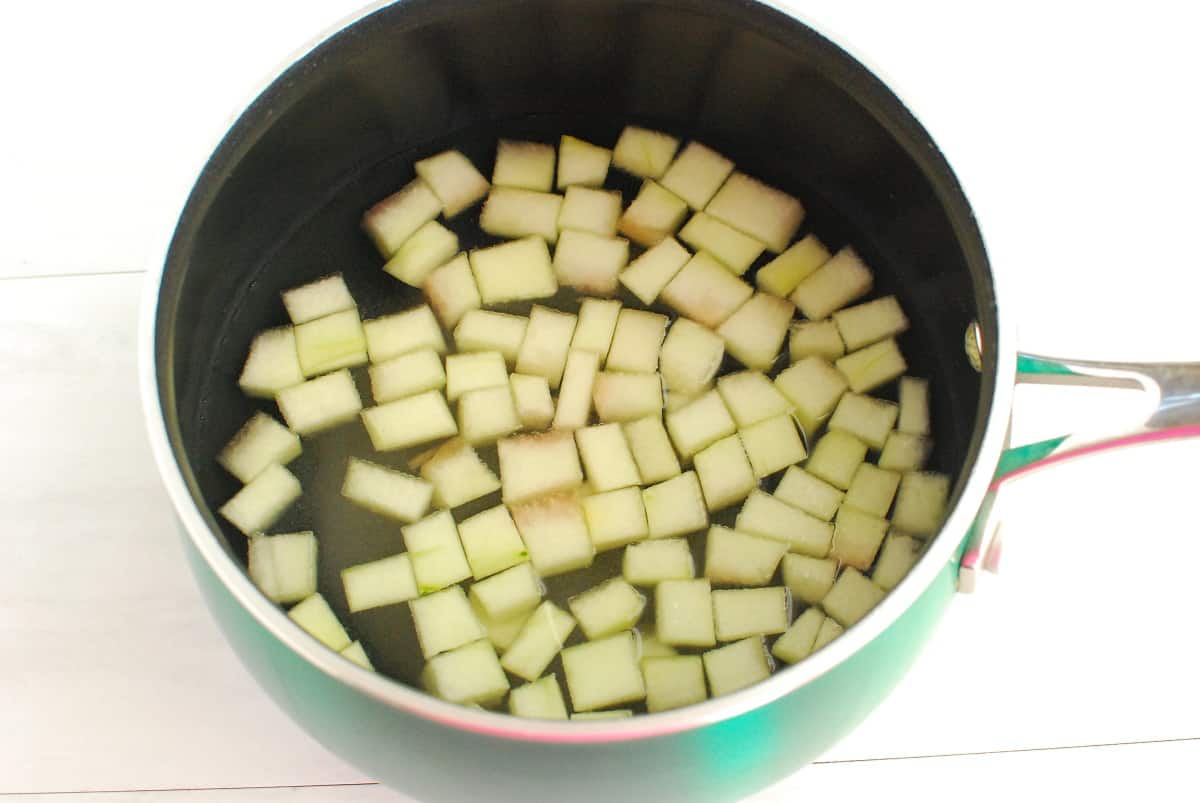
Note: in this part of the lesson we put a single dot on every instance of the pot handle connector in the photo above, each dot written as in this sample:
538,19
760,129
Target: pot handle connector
1173,396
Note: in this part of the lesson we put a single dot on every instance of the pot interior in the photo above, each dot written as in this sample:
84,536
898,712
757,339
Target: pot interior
280,201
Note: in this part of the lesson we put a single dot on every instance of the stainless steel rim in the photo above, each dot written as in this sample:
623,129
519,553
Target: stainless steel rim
405,698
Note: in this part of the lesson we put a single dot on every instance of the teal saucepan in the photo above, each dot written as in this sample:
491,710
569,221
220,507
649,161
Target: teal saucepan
278,203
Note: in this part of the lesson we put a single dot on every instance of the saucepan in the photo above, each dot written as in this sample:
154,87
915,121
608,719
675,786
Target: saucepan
278,203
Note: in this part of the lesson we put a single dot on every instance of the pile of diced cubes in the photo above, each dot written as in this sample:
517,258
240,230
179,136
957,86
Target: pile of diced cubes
644,389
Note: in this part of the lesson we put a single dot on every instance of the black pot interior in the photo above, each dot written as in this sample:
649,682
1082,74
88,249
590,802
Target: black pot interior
280,201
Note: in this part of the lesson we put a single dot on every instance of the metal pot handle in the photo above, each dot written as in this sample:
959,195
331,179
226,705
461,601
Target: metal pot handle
1174,391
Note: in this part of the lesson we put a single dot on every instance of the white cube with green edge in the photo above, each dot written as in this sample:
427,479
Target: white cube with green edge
444,620
386,581
604,673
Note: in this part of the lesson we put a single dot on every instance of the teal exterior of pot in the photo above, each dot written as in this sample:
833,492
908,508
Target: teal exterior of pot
722,761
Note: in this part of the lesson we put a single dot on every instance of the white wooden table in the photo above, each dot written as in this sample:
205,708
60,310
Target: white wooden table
1075,672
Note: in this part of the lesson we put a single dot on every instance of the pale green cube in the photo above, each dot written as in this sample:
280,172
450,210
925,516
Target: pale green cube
491,542
651,562
768,516
437,556
636,341
406,375
581,162
485,330
393,220
921,502
527,165
458,474
319,404
773,445
514,271
683,614
429,246
762,211
318,298
606,457
705,291
621,396
409,422
541,638
589,262
541,699
574,407
696,174
608,608
870,367
675,506
801,489
531,465
813,386
454,180
872,489
615,518
870,322
590,209
653,215
726,476
284,566
261,502
649,273
444,620
468,675
736,666
261,442
830,630
735,250
914,406
755,332
651,447
386,581
852,597
736,558
555,533
867,418
547,341
691,356
508,593
487,414
897,556
905,451
358,655
809,579
835,458
597,322
815,339
797,641
604,673
751,397
386,491
474,370
271,364
314,615
742,612
329,343
502,633
841,280
415,329
699,424
781,275
856,537
644,152
673,682
531,395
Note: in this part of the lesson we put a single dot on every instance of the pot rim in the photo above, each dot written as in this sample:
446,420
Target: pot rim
419,703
